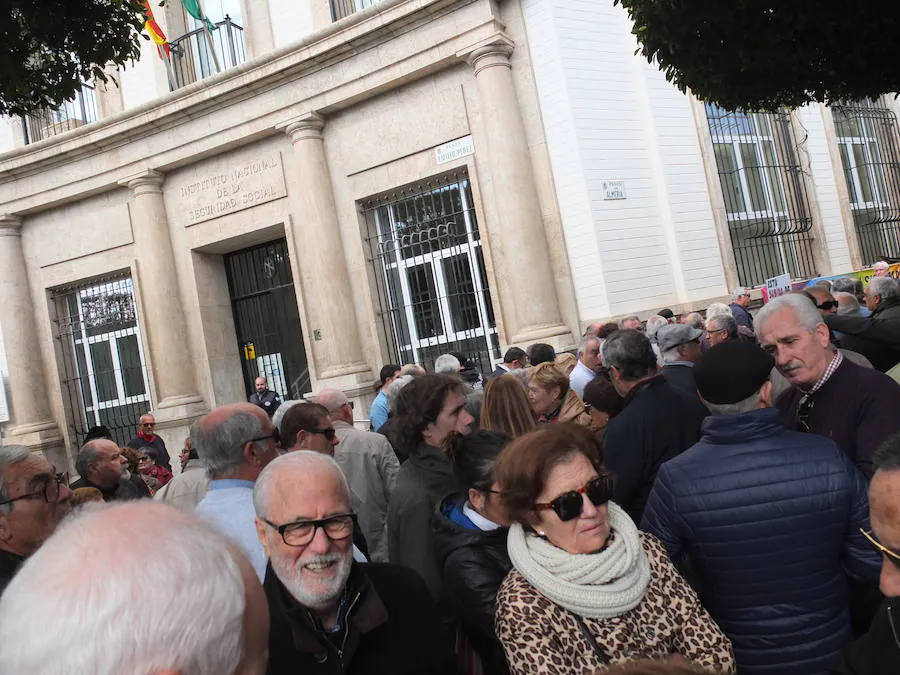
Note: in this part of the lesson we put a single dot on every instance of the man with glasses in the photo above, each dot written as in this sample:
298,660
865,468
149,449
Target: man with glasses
33,499
769,520
235,443
329,614
740,300
721,328
307,426
146,436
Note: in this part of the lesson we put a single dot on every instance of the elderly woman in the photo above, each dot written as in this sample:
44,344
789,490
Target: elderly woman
551,398
587,589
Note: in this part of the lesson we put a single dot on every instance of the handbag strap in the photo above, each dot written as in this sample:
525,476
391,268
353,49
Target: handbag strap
592,641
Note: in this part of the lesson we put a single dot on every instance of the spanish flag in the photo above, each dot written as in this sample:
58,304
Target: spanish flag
155,31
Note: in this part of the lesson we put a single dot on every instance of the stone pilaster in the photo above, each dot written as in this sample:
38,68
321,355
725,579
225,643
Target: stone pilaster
521,261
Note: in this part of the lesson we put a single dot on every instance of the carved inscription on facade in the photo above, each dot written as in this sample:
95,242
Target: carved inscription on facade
245,184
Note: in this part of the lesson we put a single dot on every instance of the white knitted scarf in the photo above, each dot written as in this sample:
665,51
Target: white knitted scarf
595,585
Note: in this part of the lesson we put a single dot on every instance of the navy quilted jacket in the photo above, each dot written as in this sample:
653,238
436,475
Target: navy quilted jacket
770,521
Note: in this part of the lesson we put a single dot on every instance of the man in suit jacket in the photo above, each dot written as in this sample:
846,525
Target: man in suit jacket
513,359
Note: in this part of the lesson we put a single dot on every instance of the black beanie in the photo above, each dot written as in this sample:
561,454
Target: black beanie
732,371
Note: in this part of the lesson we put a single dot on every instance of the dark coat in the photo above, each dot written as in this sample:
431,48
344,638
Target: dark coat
162,455
391,627
883,355
424,478
857,408
657,423
498,371
269,401
9,565
741,316
886,330
473,564
770,520
125,491
681,377
878,651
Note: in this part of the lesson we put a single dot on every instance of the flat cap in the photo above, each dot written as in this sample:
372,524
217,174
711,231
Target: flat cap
732,371
676,334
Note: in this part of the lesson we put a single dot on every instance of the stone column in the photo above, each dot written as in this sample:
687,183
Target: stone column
326,288
164,324
521,259
31,421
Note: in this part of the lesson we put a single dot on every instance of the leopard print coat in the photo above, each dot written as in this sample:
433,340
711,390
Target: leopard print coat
541,638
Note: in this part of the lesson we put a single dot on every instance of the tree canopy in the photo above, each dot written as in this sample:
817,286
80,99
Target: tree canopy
50,47
763,54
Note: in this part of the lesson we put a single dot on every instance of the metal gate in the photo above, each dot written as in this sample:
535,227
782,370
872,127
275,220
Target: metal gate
104,372
425,250
870,154
766,203
267,320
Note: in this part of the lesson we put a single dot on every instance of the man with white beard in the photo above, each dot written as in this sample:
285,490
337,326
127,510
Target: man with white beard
328,613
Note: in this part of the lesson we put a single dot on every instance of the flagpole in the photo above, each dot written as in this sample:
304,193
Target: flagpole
209,41
170,73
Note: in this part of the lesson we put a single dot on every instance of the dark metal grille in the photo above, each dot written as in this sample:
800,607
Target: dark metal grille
766,203
201,53
81,109
870,154
267,319
425,250
104,372
344,8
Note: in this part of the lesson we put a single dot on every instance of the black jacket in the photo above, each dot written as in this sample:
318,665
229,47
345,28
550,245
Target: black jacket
391,626
9,565
680,376
863,335
658,422
125,491
878,651
269,401
473,564
741,316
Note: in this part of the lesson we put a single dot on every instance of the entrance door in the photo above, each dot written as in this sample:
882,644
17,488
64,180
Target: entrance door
267,320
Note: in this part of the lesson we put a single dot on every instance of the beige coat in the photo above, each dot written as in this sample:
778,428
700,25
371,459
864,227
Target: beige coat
187,489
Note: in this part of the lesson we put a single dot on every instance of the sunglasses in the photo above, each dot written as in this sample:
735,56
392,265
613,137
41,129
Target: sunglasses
569,505
828,304
275,436
803,410
328,433
881,548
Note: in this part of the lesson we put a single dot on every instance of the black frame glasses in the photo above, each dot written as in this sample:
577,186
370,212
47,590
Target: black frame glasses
328,433
50,491
301,532
275,436
569,505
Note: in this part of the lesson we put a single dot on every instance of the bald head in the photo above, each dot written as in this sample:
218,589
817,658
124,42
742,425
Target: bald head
848,304
100,461
56,597
234,441
337,404
291,483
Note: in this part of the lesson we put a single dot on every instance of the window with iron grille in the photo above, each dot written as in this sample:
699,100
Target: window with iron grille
344,8
766,204
868,142
425,250
104,372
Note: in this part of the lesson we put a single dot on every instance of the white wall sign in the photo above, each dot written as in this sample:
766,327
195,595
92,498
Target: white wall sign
447,152
778,286
614,189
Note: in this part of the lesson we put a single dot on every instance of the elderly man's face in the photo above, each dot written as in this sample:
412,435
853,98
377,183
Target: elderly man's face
107,470
800,356
714,334
882,269
590,357
884,507
315,565
872,300
44,501
632,324
147,424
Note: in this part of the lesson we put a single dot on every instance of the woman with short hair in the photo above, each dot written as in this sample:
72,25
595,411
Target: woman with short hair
552,399
587,589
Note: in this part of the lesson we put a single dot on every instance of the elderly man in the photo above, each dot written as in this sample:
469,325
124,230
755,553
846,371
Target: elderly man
858,350
146,436
740,300
370,466
329,614
680,347
881,269
588,365
100,465
657,422
513,358
134,588
33,499
721,328
745,491
631,323
189,487
265,398
308,426
878,651
855,407
235,443
848,305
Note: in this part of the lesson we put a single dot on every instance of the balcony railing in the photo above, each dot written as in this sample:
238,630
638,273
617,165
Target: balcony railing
344,8
74,113
202,53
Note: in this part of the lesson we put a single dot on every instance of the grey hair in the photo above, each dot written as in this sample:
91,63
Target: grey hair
301,459
87,455
737,292
804,309
694,320
220,446
393,389
886,287
10,454
446,363
717,309
671,355
850,306
281,411
629,318
654,323
847,285
724,409
586,340
413,369
522,374
726,321
629,351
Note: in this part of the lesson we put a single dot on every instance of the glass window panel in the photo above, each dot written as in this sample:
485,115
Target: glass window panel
83,380
731,185
104,372
763,124
753,176
863,172
773,173
130,360
426,310
461,293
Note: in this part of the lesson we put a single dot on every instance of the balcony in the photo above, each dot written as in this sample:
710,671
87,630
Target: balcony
76,112
344,8
201,53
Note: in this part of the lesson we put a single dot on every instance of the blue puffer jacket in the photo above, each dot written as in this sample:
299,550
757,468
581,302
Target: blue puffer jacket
770,521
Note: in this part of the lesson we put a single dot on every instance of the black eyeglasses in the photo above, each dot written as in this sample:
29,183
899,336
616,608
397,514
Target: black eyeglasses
328,433
569,505
275,436
50,491
302,532
803,411
828,304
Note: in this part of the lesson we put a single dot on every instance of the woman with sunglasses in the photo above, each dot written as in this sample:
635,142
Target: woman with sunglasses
588,590
470,531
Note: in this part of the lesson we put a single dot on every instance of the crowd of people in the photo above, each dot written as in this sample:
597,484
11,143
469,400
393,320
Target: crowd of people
717,492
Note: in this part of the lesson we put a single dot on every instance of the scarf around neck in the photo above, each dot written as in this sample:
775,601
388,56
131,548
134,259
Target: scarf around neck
595,585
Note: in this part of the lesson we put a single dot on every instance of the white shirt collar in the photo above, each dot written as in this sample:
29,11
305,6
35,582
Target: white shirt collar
479,520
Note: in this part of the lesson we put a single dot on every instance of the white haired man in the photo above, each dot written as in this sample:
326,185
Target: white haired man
147,436
881,269
855,407
33,499
588,365
329,614
740,300
203,611
370,466
680,347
